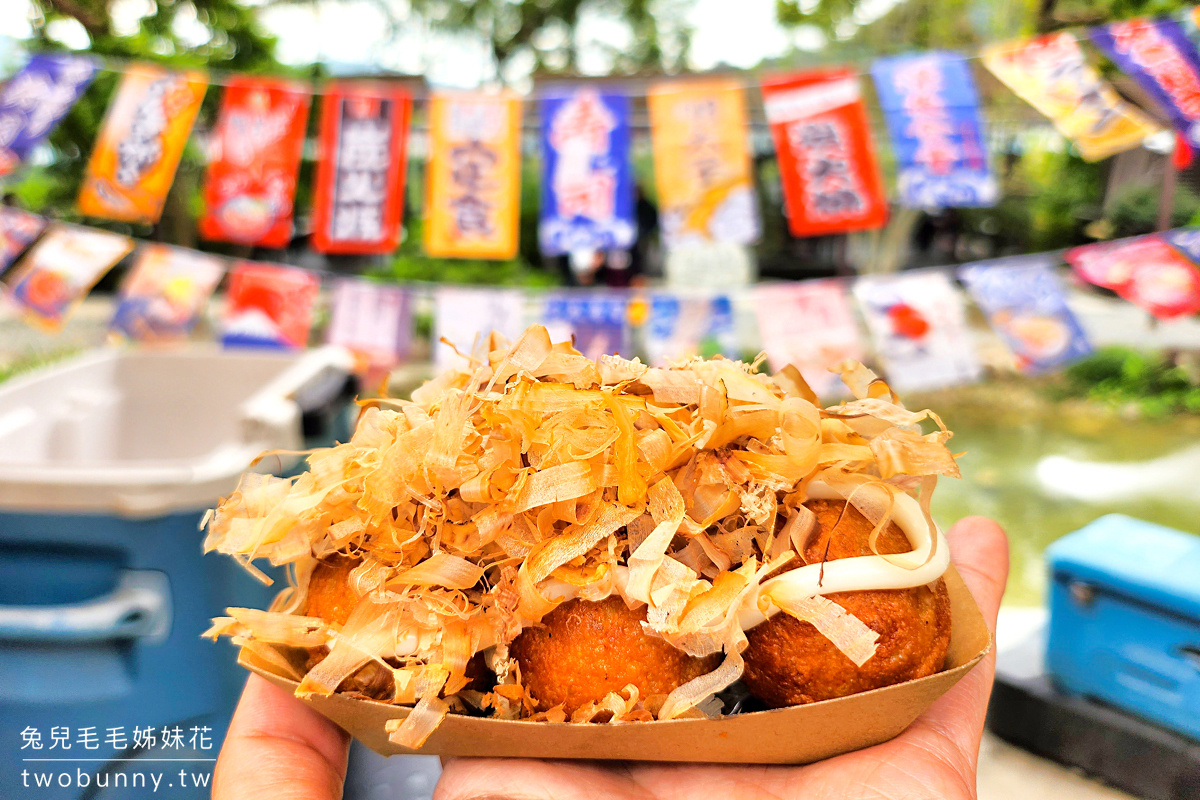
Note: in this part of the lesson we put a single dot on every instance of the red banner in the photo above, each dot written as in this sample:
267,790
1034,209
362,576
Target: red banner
1147,272
831,181
360,174
256,147
269,305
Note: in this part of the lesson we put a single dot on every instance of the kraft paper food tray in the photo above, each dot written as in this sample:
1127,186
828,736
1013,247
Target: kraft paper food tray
795,735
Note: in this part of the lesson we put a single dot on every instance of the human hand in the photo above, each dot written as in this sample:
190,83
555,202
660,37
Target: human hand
934,758
278,748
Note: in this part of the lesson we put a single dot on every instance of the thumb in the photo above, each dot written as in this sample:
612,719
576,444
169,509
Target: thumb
979,549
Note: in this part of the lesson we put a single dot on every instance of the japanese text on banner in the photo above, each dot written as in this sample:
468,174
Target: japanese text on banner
919,326
587,175
165,293
34,100
360,175
473,176
140,144
1051,74
1025,304
701,164
269,306
932,114
56,274
831,182
1157,54
251,182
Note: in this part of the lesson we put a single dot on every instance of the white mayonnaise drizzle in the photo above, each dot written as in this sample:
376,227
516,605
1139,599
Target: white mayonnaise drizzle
861,573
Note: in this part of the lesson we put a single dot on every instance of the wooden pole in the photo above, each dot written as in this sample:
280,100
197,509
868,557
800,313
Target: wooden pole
1166,201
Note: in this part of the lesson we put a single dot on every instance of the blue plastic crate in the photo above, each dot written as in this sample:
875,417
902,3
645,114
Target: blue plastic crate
107,464
1125,619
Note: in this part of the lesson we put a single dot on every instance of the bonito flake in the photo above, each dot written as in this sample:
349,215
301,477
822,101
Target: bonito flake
502,489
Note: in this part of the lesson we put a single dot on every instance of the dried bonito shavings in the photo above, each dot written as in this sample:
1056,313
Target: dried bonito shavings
538,475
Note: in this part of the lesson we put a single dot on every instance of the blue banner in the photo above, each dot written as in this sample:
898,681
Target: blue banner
1025,304
587,176
932,113
34,101
1158,55
681,327
597,320
1186,241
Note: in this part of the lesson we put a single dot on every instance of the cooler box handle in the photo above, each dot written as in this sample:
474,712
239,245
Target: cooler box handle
139,607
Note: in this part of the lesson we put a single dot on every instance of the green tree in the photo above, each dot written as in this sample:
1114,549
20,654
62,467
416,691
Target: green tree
548,36
216,34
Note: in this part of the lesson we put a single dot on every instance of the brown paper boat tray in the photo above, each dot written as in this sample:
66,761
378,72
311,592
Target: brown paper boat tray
796,735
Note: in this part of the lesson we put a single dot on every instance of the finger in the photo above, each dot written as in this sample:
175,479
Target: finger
953,726
979,549
277,747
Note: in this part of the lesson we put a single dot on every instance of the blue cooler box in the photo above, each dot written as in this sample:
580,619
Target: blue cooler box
1125,619
107,464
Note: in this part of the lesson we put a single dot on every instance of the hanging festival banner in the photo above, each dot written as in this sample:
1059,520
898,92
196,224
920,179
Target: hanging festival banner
679,326
473,176
918,324
165,292
372,320
465,317
587,174
1145,270
256,146
701,163
18,229
58,272
831,182
140,144
932,113
1051,74
269,305
1186,241
1025,303
360,173
810,325
34,100
596,319
1157,54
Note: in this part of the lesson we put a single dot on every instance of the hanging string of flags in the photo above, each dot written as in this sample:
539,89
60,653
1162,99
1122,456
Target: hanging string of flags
829,171
916,320
830,175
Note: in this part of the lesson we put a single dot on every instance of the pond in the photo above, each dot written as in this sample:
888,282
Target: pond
1043,469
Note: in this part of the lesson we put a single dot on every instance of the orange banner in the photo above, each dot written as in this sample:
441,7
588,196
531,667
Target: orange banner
702,163
140,144
474,176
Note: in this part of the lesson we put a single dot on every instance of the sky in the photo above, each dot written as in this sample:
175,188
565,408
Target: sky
355,35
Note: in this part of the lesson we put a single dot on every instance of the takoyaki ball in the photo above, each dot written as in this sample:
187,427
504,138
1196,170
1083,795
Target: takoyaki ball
789,663
583,650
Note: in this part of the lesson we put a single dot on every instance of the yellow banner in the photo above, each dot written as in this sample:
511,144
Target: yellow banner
140,144
474,176
1051,74
701,162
